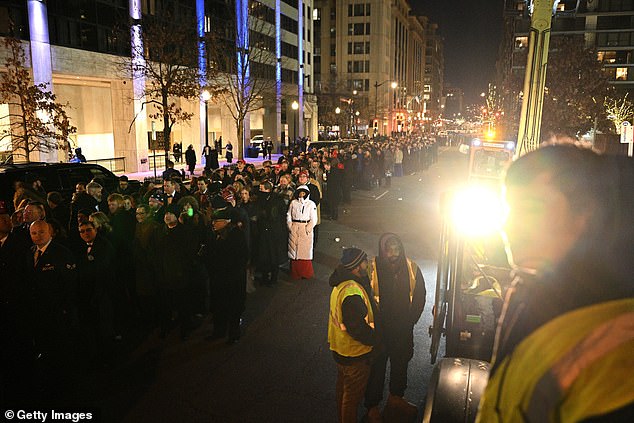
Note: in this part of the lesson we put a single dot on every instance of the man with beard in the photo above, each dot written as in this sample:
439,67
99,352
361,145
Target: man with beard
398,288
227,263
271,243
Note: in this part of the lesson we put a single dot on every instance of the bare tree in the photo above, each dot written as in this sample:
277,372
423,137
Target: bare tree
170,69
37,121
618,111
241,56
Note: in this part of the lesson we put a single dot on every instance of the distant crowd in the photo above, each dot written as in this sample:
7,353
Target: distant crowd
77,274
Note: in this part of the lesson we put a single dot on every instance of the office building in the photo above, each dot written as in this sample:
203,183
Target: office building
75,47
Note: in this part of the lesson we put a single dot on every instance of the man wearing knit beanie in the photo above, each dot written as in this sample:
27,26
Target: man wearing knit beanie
351,332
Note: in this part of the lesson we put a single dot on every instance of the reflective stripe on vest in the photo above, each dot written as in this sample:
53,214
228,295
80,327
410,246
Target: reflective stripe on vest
575,366
552,386
340,341
374,279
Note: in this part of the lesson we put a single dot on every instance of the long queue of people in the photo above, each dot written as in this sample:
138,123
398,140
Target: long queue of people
76,276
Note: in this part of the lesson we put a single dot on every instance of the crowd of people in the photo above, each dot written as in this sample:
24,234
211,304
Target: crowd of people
78,273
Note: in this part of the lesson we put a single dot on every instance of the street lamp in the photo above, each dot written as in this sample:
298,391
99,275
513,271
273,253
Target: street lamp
206,96
295,106
393,84
337,112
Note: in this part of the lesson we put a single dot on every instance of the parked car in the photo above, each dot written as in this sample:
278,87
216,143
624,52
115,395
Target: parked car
257,142
61,177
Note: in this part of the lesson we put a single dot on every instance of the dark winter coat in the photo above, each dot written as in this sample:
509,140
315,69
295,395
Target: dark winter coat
226,259
271,246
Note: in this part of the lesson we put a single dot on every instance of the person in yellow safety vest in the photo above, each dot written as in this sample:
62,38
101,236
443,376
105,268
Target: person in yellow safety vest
351,332
399,290
564,349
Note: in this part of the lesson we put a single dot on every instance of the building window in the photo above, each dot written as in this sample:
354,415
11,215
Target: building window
367,28
349,48
349,66
521,42
316,14
367,9
621,74
359,48
367,47
359,9
357,84
349,10
606,56
366,83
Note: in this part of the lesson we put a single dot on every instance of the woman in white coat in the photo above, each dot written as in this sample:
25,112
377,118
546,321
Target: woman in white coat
301,218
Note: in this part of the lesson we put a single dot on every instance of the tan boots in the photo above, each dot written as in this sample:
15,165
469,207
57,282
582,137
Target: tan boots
399,410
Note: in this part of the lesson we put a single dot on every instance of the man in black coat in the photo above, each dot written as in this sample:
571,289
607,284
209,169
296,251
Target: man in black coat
51,276
174,255
334,194
16,354
227,262
271,244
95,265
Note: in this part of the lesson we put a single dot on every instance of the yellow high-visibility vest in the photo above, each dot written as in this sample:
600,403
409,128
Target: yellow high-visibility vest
576,366
374,280
340,341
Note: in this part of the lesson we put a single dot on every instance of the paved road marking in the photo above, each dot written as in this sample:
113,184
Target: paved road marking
377,198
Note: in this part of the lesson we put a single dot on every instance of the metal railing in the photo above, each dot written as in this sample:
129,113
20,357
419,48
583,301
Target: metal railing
114,164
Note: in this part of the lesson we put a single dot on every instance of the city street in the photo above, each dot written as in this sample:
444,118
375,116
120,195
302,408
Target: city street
282,369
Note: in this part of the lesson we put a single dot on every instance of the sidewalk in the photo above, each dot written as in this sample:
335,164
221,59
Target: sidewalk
140,176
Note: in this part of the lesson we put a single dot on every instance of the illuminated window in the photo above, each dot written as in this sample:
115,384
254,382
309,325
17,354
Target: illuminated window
521,42
606,56
621,74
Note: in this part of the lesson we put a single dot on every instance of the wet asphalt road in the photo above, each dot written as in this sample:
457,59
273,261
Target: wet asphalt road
282,369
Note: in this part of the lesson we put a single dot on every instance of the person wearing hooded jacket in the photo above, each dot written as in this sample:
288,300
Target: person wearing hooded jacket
351,333
301,218
398,288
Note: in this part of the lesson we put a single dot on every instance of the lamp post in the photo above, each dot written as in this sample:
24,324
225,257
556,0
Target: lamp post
295,106
206,95
337,112
376,94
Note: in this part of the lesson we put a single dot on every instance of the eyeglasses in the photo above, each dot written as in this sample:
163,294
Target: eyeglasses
81,231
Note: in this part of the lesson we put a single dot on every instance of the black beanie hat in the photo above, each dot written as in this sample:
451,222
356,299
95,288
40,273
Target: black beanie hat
352,257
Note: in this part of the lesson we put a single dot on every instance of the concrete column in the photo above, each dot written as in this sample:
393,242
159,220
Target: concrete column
129,141
41,64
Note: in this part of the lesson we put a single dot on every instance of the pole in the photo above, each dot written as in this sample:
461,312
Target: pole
154,149
528,136
376,104
206,126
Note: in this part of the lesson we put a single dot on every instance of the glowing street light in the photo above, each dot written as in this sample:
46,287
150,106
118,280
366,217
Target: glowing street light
206,96
295,106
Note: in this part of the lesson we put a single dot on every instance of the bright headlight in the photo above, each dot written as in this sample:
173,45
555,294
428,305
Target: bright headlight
477,211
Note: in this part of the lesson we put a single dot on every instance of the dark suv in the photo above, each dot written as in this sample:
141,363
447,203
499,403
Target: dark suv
61,177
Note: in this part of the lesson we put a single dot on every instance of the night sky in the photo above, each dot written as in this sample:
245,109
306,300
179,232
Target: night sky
472,31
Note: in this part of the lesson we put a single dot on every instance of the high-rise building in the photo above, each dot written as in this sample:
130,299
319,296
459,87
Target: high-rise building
76,47
434,72
371,56
606,25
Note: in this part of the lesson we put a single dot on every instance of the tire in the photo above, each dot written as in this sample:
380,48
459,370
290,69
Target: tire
454,391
